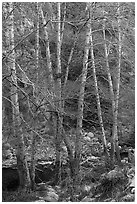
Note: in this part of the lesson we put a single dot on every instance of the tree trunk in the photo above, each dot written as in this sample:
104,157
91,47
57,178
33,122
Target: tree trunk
68,63
58,95
98,99
111,93
33,140
48,56
18,133
7,106
115,134
81,104
63,23
114,97
32,165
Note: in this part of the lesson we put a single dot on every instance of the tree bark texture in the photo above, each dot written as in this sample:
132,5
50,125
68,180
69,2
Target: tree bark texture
18,134
98,97
115,131
112,96
58,100
48,56
81,105
33,139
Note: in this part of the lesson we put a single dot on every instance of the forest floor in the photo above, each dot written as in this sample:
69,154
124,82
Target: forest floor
98,183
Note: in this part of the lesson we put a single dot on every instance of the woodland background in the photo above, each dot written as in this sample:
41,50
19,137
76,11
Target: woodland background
68,101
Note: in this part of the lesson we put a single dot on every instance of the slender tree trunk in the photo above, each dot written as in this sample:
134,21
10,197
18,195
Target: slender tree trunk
81,104
66,140
6,88
18,133
115,134
69,61
111,94
32,165
63,23
48,56
98,98
58,95
33,141
114,98
37,46
58,71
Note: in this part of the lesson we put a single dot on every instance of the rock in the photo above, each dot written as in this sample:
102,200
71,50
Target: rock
41,187
39,201
87,138
132,183
128,198
90,134
88,199
51,197
93,159
41,194
47,193
133,191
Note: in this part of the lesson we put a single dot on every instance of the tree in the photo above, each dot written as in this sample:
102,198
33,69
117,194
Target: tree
58,101
111,92
97,93
81,101
16,117
115,125
33,140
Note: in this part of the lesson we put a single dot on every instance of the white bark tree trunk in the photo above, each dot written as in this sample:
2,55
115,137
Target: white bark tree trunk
48,55
33,140
18,133
58,101
115,134
112,95
81,103
97,96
